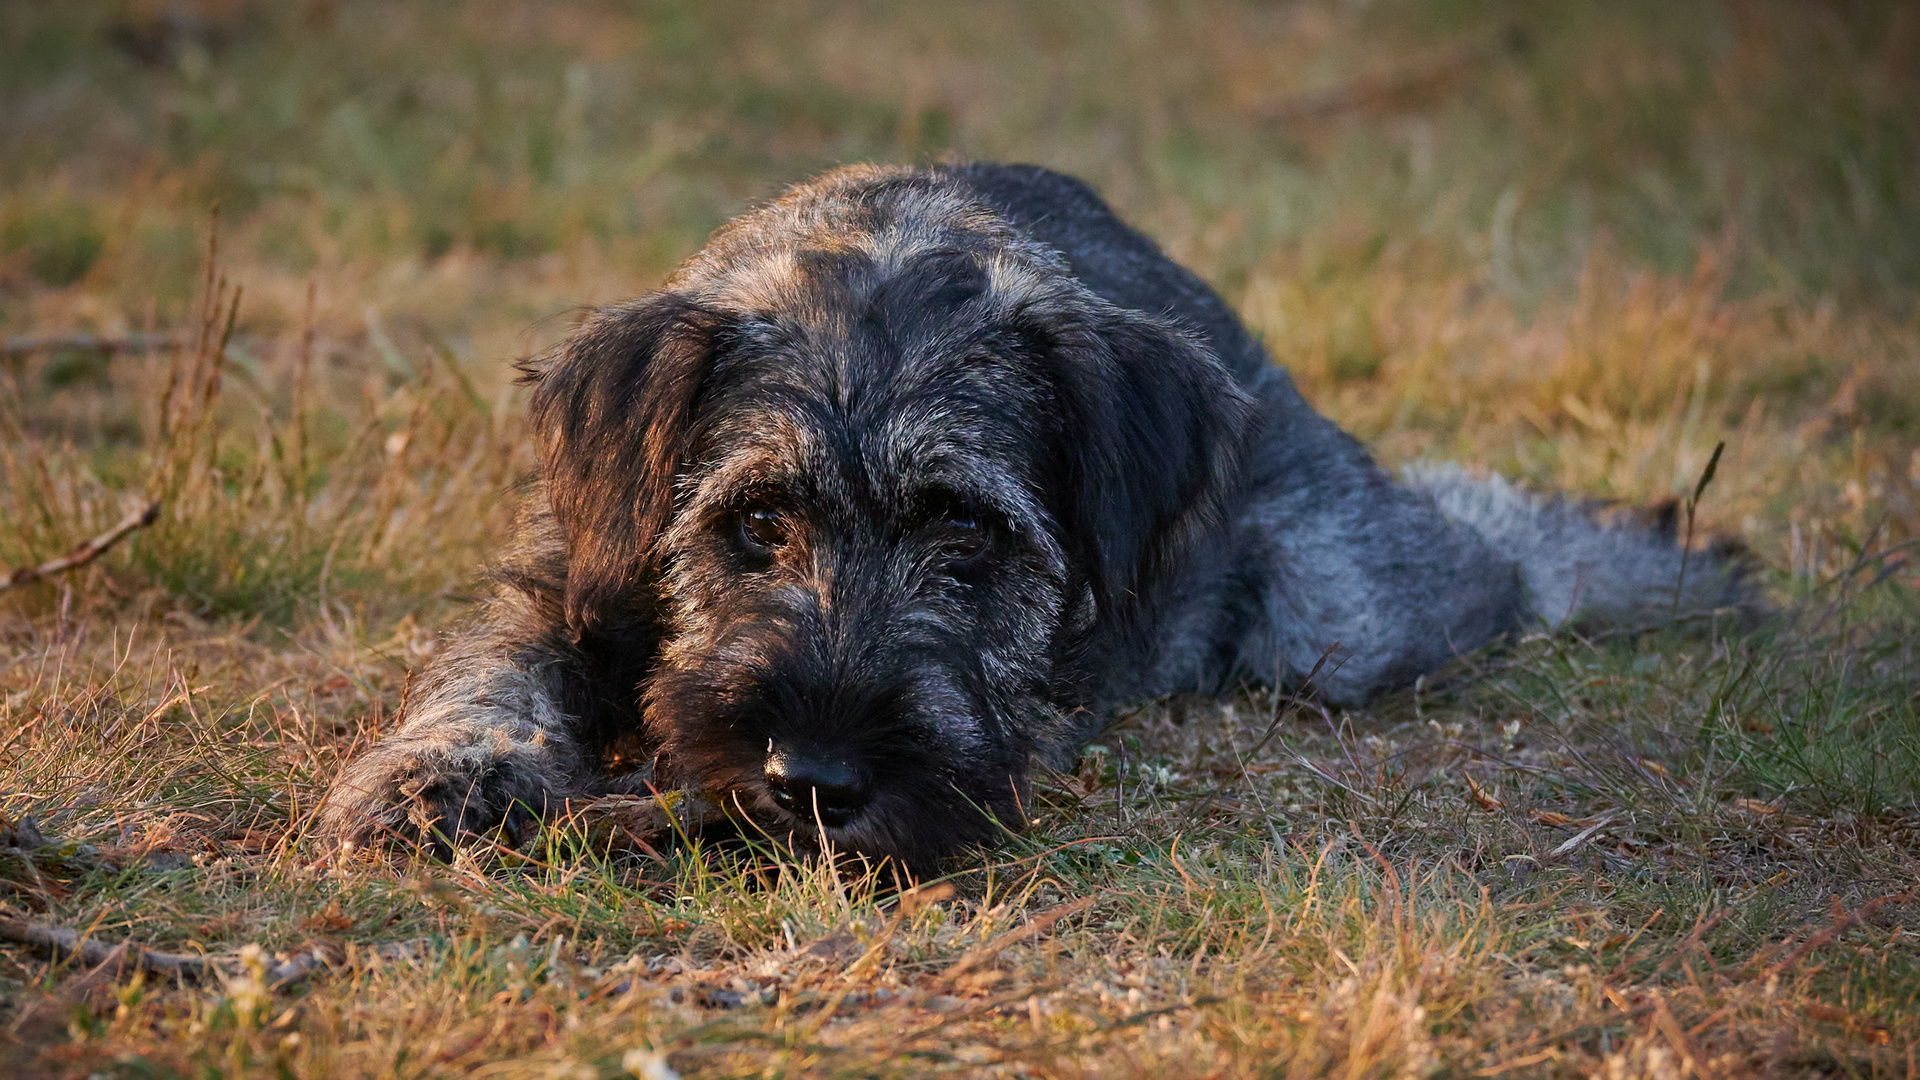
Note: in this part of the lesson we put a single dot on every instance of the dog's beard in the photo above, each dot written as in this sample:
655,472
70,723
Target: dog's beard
944,770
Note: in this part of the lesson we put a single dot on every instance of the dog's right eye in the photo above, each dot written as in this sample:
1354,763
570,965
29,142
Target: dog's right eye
762,530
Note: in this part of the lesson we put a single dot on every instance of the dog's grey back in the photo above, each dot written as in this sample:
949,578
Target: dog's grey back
1324,559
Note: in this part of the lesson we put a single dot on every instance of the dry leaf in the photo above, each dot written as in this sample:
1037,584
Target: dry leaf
1480,798
257,841
913,900
1574,844
328,920
1865,1030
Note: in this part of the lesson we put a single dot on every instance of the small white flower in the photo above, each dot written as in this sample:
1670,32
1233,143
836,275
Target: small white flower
1156,775
648,1064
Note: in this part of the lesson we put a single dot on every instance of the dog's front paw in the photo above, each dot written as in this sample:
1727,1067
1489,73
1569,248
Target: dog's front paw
438,794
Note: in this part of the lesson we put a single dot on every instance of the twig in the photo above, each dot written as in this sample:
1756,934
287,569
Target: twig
322,954
1385,90
126,956
1663,1019
1701,927
85,553
18,344
1336,782
1699,489
1034,928
302,393
912,900
61,941
1297,698
1838,927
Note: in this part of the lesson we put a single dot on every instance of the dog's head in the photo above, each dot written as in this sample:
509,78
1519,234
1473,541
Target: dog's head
888,474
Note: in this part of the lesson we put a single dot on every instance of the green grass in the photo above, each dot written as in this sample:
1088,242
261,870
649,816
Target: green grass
1580,244
1385,891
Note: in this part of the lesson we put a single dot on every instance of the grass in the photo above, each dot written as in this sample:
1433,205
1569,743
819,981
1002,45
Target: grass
1579,244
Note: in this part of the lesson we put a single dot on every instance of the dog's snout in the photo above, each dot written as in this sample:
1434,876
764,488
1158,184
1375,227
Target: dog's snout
810,785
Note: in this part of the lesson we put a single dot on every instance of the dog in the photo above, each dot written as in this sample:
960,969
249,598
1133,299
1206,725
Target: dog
899,484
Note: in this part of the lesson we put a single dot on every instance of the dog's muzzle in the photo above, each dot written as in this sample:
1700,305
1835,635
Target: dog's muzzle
813,785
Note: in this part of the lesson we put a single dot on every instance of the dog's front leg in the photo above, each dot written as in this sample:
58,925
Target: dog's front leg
486,744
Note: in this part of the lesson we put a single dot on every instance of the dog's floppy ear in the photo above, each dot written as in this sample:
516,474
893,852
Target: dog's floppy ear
613,408
1153,428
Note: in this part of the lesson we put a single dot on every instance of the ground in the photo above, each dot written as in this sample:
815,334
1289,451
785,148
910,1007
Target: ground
1581,245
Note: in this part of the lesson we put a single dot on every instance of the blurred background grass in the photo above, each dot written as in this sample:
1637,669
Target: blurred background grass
1576,242
340,132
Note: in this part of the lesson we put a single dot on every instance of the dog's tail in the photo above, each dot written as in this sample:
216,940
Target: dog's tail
1581,568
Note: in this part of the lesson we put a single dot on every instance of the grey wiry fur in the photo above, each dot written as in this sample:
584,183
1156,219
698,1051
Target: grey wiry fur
903,478
1575,568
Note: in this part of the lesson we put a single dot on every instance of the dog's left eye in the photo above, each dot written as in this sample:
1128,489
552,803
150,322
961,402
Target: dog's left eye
762,530
967,539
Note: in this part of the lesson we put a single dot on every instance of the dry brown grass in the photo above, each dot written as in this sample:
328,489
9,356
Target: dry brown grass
1579,246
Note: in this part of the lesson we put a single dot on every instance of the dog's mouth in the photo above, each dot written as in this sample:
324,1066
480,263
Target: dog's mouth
822,818
782,798
892,825
754,813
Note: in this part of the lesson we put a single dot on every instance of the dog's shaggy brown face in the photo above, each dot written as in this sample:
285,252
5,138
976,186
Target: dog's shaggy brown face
829,472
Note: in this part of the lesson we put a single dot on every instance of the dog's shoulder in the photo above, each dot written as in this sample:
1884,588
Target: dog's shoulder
1115,260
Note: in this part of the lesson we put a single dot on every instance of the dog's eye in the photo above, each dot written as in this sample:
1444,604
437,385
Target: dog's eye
966,540
762,530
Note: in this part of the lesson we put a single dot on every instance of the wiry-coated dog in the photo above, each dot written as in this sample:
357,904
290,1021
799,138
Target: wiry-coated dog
903,477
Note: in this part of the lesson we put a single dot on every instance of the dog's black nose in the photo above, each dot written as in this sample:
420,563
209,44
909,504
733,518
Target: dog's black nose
806,785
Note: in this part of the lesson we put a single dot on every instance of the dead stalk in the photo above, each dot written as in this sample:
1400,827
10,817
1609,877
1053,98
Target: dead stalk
86,552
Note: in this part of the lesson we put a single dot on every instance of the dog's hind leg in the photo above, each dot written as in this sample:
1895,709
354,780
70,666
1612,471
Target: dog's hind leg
1328,556
1326,562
